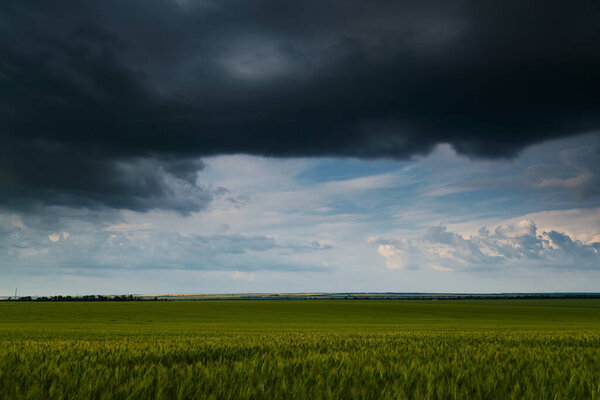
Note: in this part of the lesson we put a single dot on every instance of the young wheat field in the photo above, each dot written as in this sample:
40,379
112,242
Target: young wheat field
496,349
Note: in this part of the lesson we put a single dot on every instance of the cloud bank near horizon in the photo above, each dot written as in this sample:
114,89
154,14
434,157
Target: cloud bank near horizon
91,251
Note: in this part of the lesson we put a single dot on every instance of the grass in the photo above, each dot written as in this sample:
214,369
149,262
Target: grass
500,349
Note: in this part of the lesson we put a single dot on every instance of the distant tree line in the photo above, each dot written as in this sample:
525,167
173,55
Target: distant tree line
475,297
323,296
84,298
392,296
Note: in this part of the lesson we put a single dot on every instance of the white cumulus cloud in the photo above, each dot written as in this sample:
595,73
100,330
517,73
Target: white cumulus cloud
516,242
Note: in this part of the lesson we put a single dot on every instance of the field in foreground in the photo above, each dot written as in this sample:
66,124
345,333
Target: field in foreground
537,349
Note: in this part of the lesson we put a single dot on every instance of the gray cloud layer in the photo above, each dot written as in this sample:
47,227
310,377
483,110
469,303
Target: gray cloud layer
84,249
90,88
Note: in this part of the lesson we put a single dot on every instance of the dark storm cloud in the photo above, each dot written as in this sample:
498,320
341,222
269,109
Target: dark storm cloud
88,89
41,173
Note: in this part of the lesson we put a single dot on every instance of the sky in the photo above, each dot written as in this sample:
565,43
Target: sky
184,146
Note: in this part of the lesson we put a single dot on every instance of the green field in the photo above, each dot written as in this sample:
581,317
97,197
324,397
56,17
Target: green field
498,349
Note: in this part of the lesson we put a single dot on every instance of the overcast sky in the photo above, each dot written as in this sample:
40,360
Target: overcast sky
185,146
